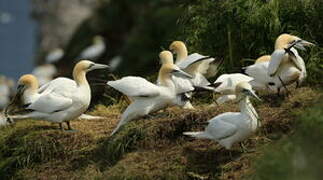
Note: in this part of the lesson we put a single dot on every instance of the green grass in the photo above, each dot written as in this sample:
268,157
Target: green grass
154,147
298,156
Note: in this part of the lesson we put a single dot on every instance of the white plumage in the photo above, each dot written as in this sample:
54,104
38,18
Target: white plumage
54,55
285,62
226,85
285,67
147,96
232,127
60,100
94,50
229,82
195,64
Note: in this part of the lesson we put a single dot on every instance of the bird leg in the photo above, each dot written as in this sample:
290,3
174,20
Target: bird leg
69,127
297,85
287,92
61,126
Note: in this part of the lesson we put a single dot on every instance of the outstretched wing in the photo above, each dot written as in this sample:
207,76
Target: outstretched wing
229,81
275,60
182,85
135,87
195,63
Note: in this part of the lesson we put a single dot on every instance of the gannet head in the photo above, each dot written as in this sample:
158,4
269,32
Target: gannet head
285,40
98,39
245,89
86,66
262,59
168,68
177,47
26,82
166,57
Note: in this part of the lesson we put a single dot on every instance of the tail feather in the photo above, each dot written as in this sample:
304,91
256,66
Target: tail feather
200,135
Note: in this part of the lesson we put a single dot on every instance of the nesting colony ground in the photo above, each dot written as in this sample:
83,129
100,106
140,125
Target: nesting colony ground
148,148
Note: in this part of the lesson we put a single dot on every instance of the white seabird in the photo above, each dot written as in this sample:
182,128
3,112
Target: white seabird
60,100
95,50
195,65
285,66
226,85
149,97
54,55
232,127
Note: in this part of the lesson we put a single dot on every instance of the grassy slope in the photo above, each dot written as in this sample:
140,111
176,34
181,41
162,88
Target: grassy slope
148,148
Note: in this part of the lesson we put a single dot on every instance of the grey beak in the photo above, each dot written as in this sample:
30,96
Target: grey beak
20,89
181,73
99,66
303,43
253,94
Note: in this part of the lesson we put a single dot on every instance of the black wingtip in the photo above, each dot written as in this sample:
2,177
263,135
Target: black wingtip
243,70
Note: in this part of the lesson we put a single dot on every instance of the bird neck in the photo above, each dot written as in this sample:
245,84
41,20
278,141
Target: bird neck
247,108
165,79
79,77
181,54
30,94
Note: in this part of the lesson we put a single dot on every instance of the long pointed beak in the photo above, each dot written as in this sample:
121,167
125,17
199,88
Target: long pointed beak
303,43
99,66
181,73
253,94
20,89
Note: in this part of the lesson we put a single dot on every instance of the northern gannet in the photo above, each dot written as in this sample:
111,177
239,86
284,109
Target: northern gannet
149,97
60,100
194,64
262,81
226,85
285,62
232,127
94,50
285,66
54,55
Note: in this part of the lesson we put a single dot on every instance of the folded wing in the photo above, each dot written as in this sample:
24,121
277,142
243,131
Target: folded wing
133,86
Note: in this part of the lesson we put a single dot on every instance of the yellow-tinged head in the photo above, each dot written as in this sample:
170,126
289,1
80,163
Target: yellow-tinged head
177,46
285,40
84,66
245,89
262,59
28,81
166,57
168,68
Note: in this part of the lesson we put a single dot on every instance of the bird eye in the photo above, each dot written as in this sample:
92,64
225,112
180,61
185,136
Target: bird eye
245,90
91,65
292,42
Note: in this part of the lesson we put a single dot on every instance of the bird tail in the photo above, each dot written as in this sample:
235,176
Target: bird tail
243,70
199,135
